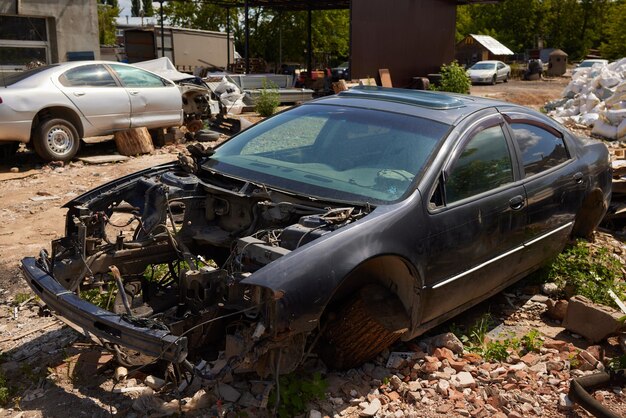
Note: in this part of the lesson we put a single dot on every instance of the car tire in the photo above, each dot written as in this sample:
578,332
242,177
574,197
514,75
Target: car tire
494,80
506,77
365,325
56,140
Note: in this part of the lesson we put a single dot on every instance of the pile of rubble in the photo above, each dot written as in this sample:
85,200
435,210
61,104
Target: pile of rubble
596,97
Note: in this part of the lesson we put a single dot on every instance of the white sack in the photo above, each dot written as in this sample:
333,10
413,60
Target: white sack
605,130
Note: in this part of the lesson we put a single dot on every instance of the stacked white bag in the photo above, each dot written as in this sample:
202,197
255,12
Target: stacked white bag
596,97
230,96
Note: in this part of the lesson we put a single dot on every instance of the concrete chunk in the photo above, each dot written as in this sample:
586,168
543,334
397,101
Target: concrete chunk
591,320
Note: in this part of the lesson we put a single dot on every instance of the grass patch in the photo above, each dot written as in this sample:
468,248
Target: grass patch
20,298
587,271
476,340
100,297
296,392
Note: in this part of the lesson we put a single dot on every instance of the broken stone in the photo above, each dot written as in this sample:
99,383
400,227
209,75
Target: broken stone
120,373
557,310
443,353
227,392
442,387
154,382
315,414
591,320
14,170
449,341
371,409
463,380
444,409
395,382
549,289
565,403
530,358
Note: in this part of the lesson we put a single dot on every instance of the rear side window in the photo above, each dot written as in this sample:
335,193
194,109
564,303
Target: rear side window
136,77
93,75
484,164
541,149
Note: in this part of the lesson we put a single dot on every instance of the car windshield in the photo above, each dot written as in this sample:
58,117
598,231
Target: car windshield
332,152
483,66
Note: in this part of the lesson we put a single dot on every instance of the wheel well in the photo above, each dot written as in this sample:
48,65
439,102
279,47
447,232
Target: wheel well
62,113
589,215
390,271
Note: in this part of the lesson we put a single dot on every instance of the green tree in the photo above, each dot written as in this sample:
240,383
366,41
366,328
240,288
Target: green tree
274,35
148,10
108,10
614,46
135,8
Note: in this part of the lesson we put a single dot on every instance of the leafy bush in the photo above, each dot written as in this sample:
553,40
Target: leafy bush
454,79
296,392
268,100
589,272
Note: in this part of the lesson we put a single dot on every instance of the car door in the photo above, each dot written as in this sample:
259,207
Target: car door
476,219
98,96
155,101
501,70
553,184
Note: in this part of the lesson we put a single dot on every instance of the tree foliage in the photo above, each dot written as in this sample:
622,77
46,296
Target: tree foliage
575,26
274,35
614,46
108,10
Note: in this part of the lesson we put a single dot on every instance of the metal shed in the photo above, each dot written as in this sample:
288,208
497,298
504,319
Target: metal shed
476,48
399,38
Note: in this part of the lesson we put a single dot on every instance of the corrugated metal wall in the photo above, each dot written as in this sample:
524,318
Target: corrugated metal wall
409,37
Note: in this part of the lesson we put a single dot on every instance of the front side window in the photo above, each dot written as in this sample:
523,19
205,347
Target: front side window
541,149
93,75
484,164
136,77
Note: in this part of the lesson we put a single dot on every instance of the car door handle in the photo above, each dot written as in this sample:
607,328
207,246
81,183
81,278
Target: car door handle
79,93
578,177
134,92
516,202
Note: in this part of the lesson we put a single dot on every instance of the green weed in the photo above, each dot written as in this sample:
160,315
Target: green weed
589,272
21,298
100,297
532,341
296,392
268,100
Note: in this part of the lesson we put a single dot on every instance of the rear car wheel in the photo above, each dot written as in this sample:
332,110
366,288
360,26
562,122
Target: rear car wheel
494,80
56,140
506,77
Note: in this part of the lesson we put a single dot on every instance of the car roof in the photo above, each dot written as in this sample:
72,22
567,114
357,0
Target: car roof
448,108
488,62
59,68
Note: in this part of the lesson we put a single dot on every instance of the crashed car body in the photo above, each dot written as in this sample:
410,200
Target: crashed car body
437,200
53,107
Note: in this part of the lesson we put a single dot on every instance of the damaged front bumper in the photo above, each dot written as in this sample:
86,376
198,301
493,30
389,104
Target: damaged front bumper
104,327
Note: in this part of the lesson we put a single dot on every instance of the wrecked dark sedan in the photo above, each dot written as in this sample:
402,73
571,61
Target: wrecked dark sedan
337,228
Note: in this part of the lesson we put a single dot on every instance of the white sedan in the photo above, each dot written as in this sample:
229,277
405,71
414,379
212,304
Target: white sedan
53,107
489,72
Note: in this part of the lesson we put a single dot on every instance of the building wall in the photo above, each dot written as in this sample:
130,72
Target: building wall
72,25
413,38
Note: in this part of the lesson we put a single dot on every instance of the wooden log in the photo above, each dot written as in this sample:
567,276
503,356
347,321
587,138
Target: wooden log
363,327
134,142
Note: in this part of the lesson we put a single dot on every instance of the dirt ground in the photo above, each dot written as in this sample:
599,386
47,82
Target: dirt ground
57,373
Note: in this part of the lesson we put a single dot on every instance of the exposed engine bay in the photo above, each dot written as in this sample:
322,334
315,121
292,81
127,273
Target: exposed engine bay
171,249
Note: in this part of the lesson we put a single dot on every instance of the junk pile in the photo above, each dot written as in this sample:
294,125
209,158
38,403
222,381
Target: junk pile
596,97
230,96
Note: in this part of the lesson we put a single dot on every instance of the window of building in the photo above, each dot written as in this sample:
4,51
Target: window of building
23,40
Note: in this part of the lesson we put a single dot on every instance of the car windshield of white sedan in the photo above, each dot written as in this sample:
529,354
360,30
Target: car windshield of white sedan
332,152
483,66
